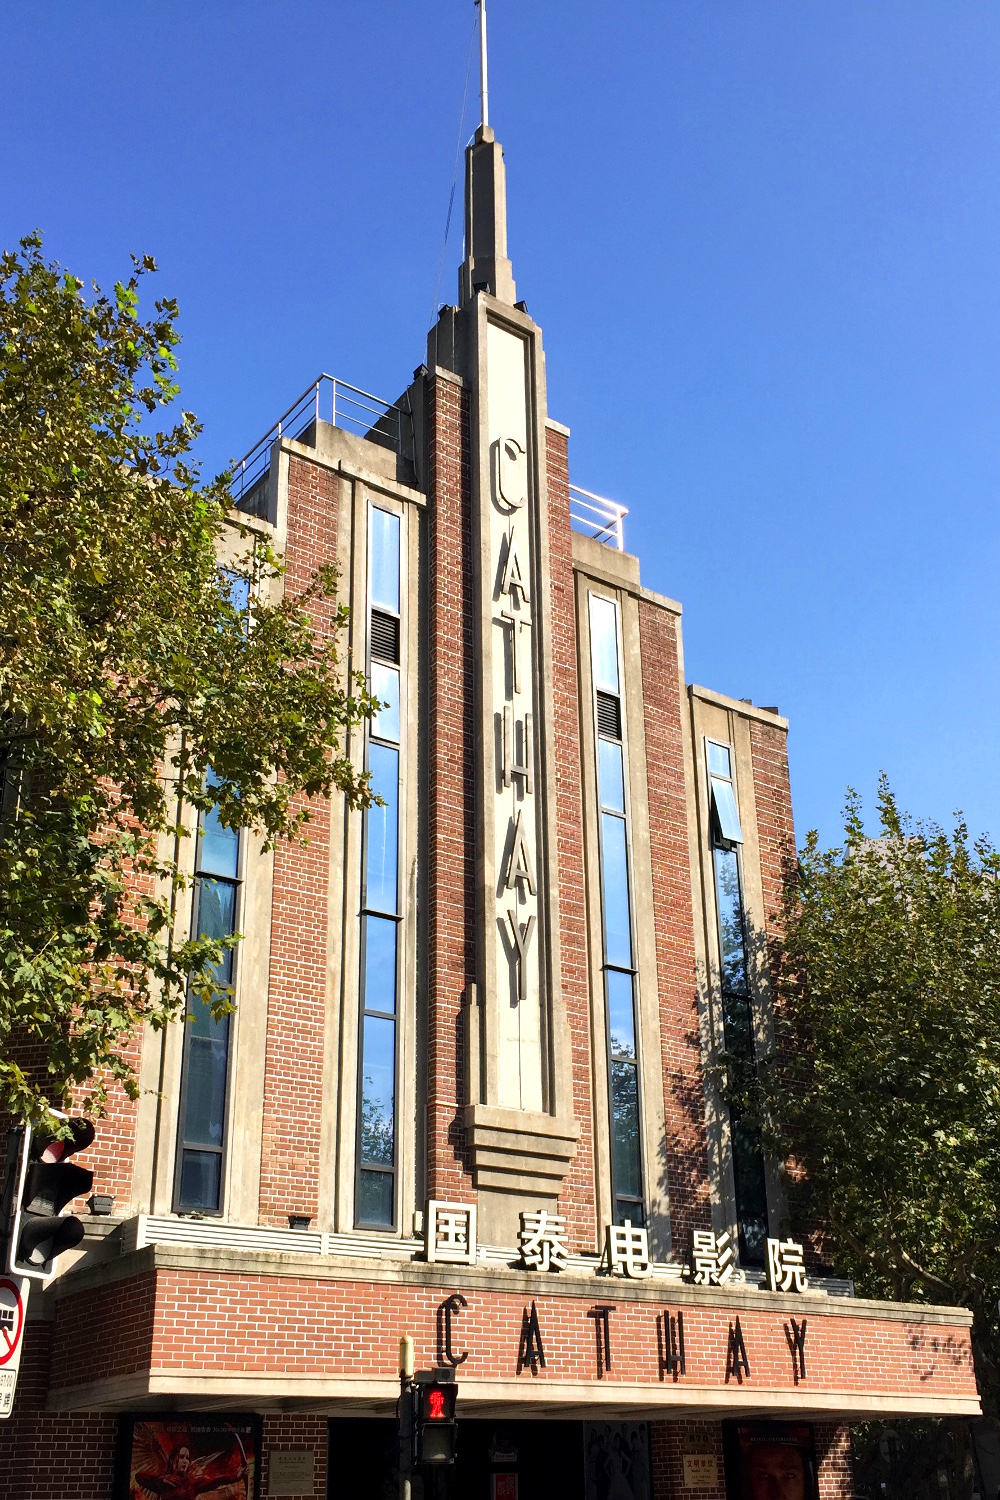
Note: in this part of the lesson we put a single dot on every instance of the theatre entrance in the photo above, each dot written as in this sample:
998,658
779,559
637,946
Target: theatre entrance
497,1460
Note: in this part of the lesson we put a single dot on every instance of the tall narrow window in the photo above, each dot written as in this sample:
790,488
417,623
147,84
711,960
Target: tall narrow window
380,920
205,1076
616,905
737,1011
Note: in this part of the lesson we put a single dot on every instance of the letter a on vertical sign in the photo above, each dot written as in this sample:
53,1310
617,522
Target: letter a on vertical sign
13,1303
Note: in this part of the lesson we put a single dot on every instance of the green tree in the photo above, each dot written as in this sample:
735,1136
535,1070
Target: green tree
884,1089
135,690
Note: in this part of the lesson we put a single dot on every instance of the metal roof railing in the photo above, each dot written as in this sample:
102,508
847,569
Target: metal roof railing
330,400
597,517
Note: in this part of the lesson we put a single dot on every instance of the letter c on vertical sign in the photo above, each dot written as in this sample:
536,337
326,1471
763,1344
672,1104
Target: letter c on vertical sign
510,473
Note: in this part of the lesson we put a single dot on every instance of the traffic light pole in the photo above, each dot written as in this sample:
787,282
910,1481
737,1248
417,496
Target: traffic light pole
405,1416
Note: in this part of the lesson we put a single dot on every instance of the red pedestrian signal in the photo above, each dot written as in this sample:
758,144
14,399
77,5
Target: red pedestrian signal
435,1405
436,1427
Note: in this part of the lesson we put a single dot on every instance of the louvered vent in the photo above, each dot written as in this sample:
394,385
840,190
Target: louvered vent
609,716
385,636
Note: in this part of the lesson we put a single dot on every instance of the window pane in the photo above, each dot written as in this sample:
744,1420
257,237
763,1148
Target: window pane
385,687
612,776
617,931
737,1025
724,802
621,1016
751,1192
378,1091
380,964
604,643
626,1208
625,1129
718,760
205,1098
200,1173
385,559
218,847
237,586
216,914
729,897
375,1198
381,822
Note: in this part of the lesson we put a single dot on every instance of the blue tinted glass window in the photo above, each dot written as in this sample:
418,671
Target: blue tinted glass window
730,902
604,643
218,847
382,830
625,1129
380,964
621,1014
726,813
200,1179
718,760
612,776
617,928
207,1065
375,1195
384,560
385,687
378,1091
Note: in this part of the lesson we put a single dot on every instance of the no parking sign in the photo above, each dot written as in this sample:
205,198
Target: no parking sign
13,1302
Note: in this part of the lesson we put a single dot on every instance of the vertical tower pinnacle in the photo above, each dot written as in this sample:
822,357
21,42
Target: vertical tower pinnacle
486,267
484,93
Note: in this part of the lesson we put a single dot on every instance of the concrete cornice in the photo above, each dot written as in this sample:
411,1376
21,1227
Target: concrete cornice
363,476
737,706
200,1259
557,426
276,1390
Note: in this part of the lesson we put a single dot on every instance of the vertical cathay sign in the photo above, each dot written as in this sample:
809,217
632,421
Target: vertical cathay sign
515,830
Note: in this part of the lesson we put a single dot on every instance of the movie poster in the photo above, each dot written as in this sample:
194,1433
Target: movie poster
775,1461
616,1461
185,1457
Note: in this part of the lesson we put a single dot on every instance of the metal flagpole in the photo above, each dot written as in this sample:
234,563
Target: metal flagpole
483,89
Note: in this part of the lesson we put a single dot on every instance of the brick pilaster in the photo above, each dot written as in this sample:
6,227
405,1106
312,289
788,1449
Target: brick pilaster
685,1156
451,806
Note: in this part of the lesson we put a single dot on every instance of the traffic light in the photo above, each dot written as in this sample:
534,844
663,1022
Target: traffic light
47,1181
436,1428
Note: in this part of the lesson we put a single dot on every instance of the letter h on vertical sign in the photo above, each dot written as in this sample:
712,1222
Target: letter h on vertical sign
670,1344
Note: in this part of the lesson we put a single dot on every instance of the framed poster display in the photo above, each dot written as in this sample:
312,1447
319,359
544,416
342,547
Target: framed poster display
184,1456
770,1461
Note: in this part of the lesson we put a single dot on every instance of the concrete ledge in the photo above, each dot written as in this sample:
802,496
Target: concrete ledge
525,1395
737,706
740,1298
517,1151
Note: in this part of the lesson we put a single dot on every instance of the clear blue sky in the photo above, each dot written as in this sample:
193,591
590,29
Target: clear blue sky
763,241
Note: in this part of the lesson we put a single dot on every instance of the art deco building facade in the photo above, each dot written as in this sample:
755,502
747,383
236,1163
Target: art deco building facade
475,1030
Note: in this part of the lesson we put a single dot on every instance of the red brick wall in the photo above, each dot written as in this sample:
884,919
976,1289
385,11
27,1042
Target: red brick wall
775,828
685,1147
293,1073
579,1196
297,1430
213,1321
451,808
668,1443
833,1457
52,1455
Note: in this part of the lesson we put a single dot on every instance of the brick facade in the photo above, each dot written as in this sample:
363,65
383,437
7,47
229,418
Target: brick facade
577,1201
685,1163
297,993
197,1313
451,806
